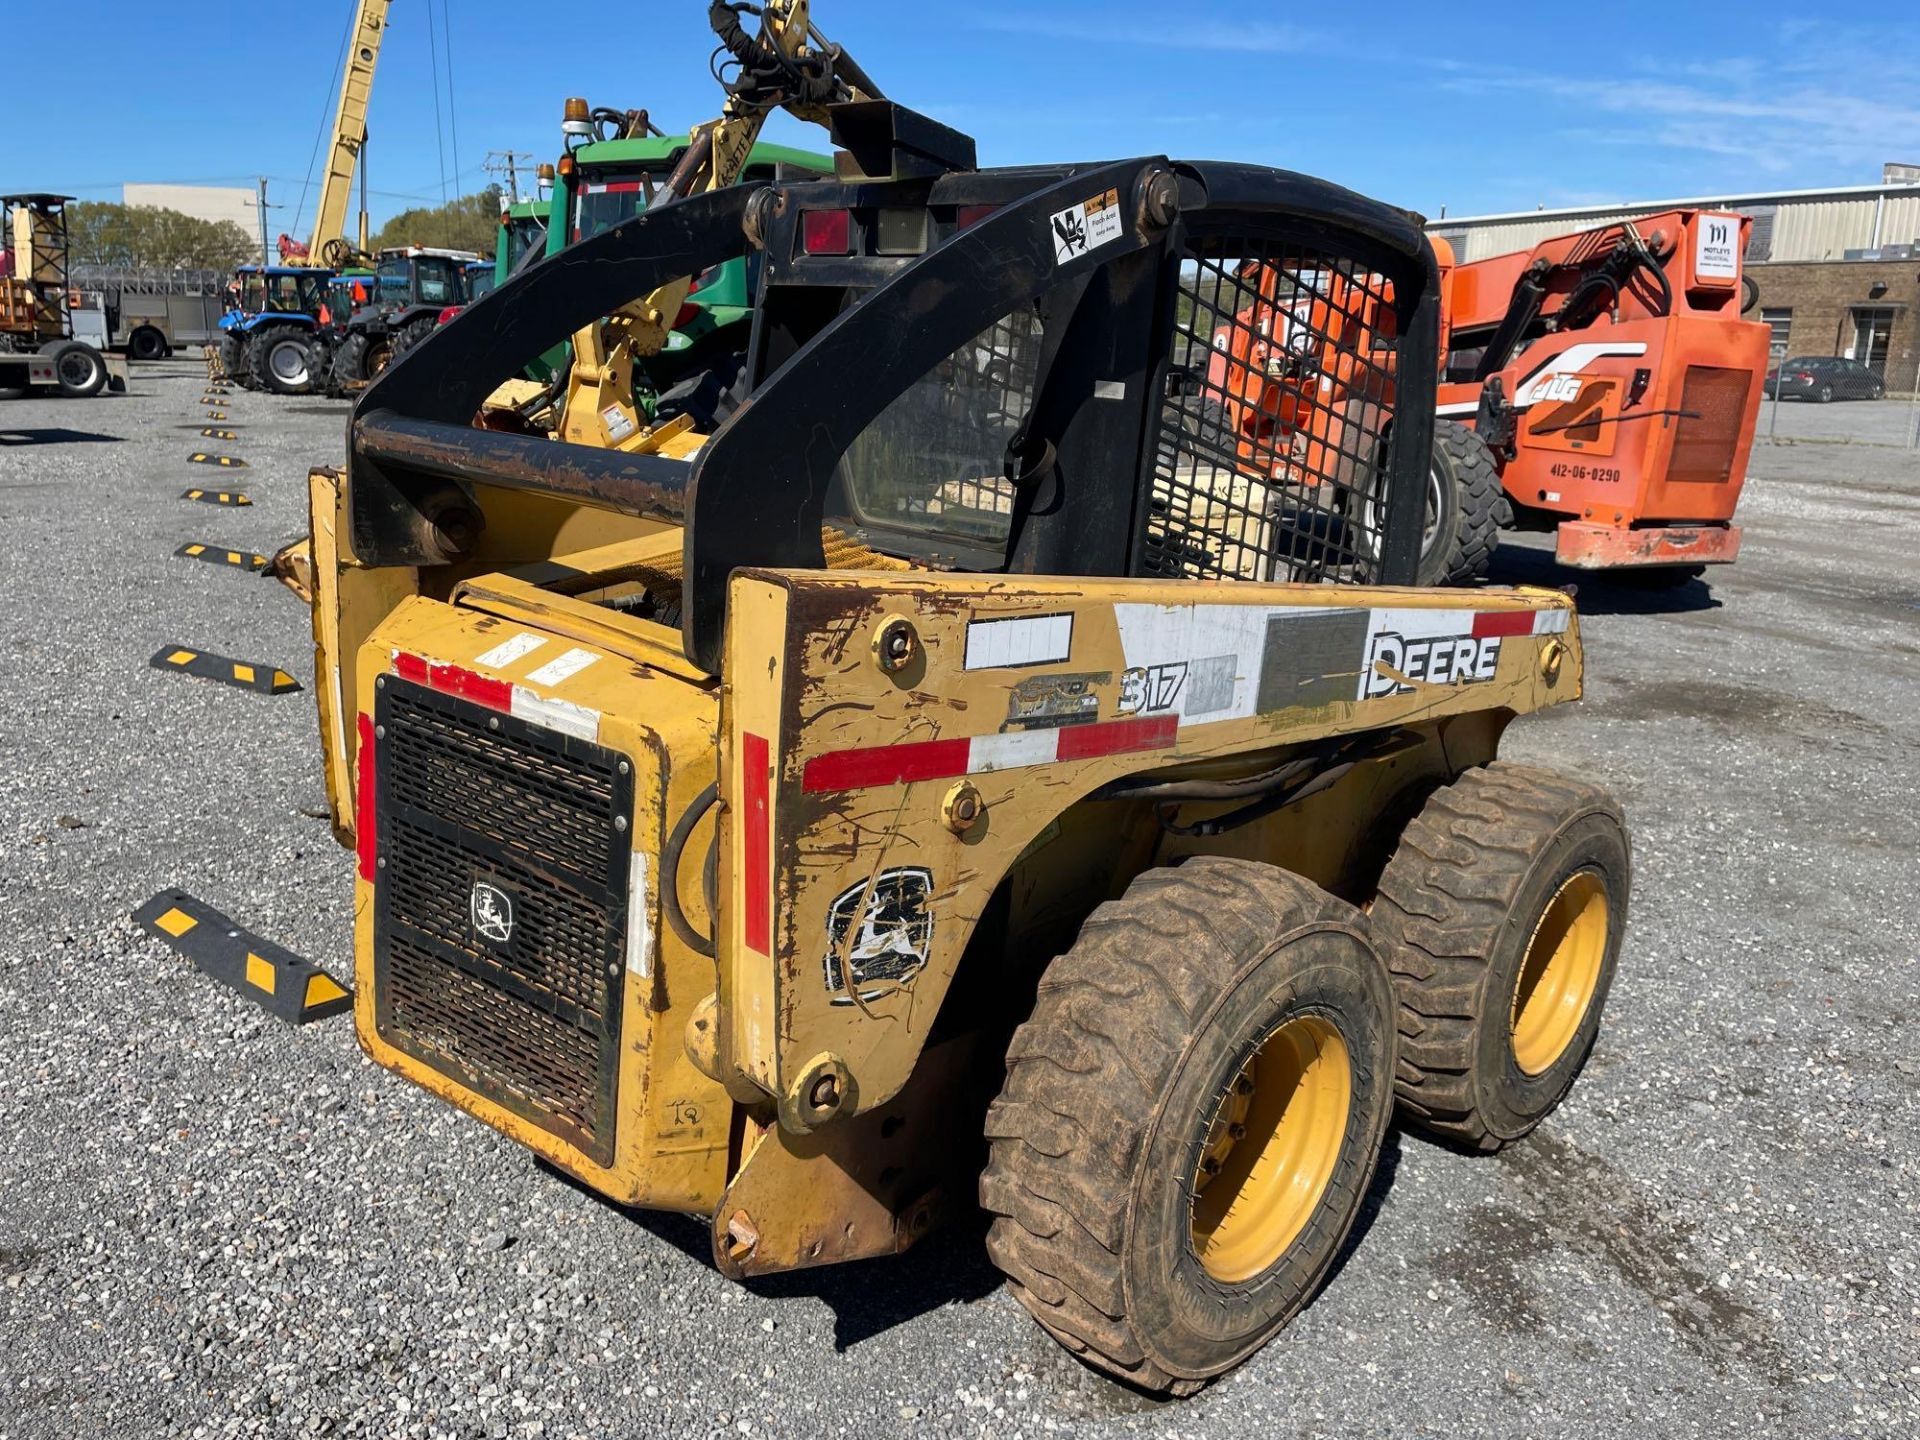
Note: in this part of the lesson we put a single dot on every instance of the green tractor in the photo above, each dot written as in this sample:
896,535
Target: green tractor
616,165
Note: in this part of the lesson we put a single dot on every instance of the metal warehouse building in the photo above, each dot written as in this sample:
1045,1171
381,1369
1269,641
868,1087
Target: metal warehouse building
1838,270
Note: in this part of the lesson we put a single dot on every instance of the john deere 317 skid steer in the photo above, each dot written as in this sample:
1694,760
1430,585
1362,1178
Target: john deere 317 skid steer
957,747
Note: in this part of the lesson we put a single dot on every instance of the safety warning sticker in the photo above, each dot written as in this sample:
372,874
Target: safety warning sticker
1085,227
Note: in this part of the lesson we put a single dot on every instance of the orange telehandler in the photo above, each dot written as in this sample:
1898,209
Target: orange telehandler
1601,385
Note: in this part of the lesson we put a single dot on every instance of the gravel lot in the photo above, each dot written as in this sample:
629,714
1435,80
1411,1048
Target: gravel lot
212,1225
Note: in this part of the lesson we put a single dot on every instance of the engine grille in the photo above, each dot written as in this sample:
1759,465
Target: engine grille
500,907
1713,402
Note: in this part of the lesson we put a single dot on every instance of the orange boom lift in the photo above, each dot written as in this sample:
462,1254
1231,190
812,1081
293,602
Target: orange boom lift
1611,380
1601,385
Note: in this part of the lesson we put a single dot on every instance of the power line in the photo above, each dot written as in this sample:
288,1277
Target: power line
453,110
507,162
439,139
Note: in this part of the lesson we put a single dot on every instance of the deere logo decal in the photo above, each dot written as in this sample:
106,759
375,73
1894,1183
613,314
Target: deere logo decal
491,910
879,934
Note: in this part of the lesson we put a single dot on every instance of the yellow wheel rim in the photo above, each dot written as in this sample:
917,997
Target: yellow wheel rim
1271,1148
1558,977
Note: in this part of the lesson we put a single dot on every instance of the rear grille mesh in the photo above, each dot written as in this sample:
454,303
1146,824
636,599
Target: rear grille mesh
489,824
1713,402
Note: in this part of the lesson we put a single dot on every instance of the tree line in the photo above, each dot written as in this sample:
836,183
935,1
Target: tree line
107,233
103,232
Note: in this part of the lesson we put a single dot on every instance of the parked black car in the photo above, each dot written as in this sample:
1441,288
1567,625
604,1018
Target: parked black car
1824,378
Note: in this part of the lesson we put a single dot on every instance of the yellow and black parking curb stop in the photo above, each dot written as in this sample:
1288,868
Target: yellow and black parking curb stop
248,676
273,977
225,462
211,434
216,414
218,497
220,555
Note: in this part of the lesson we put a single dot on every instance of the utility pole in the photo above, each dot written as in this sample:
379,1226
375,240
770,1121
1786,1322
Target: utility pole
265,257
507,162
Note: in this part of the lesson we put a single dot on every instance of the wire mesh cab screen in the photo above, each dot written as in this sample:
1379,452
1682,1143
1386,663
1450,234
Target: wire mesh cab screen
1269,460
1266,457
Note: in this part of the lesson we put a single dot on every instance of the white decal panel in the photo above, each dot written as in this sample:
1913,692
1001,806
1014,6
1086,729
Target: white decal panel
563,667
1228,662
1716,247
508,651
639,918
1023,640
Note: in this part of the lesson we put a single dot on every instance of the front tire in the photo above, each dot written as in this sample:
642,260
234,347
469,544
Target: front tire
1462,526
233,356
147,343
1501,913
1190,1119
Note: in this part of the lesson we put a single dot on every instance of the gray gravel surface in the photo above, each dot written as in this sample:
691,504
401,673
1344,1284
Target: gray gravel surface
212,1225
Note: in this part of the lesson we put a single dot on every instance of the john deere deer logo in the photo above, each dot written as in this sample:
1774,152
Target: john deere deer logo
491,910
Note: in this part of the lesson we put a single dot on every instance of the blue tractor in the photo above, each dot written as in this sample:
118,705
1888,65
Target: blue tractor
275,335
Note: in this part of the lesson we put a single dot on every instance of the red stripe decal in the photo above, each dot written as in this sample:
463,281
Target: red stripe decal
758,880
886,765
452,680
366,838
1489,623
939,759
1084,742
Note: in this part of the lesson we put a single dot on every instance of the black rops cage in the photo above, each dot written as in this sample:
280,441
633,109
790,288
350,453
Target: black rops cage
1140,368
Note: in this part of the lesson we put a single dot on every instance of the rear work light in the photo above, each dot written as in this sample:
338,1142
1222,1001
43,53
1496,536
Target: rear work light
901,232
826,232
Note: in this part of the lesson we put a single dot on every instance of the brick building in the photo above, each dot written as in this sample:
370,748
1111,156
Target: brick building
1866,309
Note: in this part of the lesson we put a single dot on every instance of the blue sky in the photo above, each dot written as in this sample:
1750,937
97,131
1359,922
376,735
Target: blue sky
1468,107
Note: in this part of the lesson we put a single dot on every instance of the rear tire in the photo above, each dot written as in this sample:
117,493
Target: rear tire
1824,394
350,361
147,343
278,360
1501,914
410,335
1223,1024
80,371
1457,542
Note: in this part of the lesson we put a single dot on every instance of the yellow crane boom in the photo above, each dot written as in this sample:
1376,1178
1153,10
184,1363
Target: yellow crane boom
330,245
